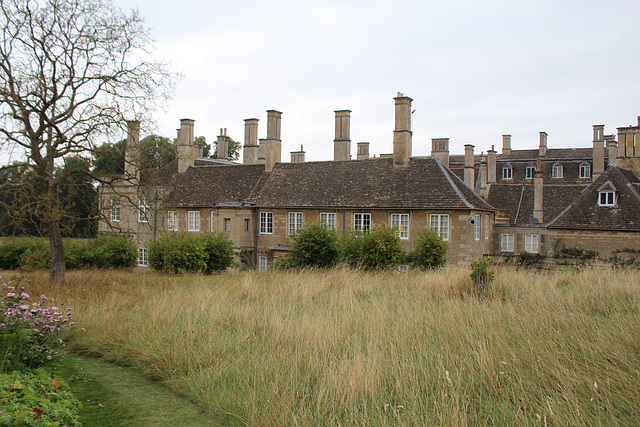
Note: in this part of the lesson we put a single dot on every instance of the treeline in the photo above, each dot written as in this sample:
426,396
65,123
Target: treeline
77,181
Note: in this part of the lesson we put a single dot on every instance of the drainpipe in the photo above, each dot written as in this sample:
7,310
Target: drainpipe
256,228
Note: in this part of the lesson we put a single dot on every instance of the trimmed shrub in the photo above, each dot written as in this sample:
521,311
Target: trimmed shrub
76,253
37,255
313,246
430,250
350,248
218,252
381,248
19,252
178,253
112,251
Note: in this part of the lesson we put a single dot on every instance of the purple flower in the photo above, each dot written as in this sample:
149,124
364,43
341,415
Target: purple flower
25,296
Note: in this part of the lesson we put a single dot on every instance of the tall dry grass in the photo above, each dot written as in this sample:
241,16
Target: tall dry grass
352,348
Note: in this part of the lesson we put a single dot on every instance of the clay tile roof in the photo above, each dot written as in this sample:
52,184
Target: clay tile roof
584,212
372,183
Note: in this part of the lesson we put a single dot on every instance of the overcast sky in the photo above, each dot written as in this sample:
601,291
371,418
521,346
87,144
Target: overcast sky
475,69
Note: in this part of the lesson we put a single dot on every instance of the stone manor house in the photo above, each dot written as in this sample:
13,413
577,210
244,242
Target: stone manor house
483,205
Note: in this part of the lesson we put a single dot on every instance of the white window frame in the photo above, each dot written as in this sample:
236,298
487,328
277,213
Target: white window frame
607,198
295,222
477,227
227,225
193,221
143,209
115,210
530,172
440,223
557,172
328,219
143,259
213,221
487,225
172,220
263,263
507,172
362,221
247,225
531,242
506,242
401,220
585,171
266,222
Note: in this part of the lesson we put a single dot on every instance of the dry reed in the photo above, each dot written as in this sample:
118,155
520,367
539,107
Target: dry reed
352,348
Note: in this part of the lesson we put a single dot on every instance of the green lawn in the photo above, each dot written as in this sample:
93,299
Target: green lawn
112,395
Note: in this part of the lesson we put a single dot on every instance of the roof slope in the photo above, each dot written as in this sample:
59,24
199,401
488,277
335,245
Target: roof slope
372,183
517,199
551,154
206,186
584,212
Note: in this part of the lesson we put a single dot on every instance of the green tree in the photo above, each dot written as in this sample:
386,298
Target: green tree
313,246
78,199
71,71
430,250
155,152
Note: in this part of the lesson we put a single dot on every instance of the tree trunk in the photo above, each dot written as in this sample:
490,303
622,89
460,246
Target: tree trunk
57,253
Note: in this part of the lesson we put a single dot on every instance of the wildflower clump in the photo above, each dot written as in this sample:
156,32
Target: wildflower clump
29,328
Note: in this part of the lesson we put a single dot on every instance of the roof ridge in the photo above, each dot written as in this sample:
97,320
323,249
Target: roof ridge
457,190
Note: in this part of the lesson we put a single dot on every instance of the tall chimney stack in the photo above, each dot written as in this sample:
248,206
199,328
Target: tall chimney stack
132,151
542,151
482,175
298,156
598,151
342,141
363,150
251,147
186,155
538,191
491,166
468,165
402,133
506,144
612,149
223,145
273,143
440,150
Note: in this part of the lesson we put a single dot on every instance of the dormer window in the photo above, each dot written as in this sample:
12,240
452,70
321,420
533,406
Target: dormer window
507,172
530,172
607,195
585,170
557,171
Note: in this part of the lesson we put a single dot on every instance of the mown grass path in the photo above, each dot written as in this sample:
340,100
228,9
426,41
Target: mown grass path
112,395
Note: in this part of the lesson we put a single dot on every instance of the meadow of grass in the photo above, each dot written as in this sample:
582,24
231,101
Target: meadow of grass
353,348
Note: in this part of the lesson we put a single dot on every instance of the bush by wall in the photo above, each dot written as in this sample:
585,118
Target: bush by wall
182,252
381,248
313,246
218,252
430,250
378,248
112,251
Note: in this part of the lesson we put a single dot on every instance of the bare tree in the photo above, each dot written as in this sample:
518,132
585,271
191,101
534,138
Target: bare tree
71,73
